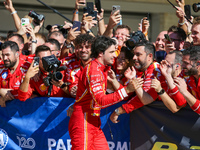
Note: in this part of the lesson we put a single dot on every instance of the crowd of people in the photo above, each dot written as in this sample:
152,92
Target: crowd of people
101,70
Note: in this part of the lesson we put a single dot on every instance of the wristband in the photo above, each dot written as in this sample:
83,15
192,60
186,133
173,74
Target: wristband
63,85
14,12
34,41
100,19
117,111
88,31
75,11
182,23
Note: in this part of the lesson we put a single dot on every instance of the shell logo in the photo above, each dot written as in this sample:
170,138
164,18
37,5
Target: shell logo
4,83
43,87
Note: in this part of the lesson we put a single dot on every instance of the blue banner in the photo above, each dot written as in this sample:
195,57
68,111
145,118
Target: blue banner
42,124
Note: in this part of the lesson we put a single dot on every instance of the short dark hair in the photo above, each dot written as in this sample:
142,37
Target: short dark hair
195,53
181,33
178,56
19,37
83,38
101,44
54,42
149,48
128,54
124,26
41,48
196,21
13,46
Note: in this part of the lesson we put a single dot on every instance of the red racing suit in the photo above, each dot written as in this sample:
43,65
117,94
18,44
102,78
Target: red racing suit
40,88
84,124
149,74
13,81
67,60
72,69
195,91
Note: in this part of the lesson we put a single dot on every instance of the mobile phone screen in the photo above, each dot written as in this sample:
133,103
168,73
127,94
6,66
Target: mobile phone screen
36,61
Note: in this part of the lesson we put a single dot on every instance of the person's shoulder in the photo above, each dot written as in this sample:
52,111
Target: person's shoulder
69,59
2,68
25,65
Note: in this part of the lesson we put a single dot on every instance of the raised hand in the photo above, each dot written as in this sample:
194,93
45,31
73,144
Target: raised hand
130,73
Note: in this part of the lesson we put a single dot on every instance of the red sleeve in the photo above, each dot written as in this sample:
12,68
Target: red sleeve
196,107
177,97
135,102
14,93
96,87
23,96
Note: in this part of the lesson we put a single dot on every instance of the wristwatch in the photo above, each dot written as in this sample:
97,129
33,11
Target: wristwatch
63,85
161,92
34,41
88,31
117,111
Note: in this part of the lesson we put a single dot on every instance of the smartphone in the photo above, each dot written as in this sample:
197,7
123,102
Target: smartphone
115,8
90,8
187,11
168,38
98,5
77,24
24,21
36,61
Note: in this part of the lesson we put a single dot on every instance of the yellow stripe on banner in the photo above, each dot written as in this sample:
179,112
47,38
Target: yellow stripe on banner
85,132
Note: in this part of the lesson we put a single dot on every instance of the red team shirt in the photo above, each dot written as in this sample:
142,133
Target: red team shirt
13,81
40,88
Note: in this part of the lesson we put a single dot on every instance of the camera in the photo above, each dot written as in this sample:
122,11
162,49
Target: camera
135,38
52,65
196,7
37,17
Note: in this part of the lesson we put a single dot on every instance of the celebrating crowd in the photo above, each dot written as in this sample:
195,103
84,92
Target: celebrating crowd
100,70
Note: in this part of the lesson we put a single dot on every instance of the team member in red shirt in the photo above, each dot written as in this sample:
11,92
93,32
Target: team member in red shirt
20,42
83,44
191,90
28,86
84,124
11,72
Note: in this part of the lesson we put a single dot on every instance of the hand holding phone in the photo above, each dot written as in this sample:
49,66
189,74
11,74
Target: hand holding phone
98,5
77,24
36,61
168,38
24,21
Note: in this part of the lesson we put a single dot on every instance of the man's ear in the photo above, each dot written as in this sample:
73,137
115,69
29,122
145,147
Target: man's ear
151,56
100,54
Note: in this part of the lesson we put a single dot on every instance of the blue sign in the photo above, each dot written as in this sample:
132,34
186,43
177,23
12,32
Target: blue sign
42,124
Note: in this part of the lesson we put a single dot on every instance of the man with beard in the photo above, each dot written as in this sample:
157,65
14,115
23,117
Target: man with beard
11,72
146,69
82,44
191,90
30,86
170,68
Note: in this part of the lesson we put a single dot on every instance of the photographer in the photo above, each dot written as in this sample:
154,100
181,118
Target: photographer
28,86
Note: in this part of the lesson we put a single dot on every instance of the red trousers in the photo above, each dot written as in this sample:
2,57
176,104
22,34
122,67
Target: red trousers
85,132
